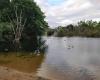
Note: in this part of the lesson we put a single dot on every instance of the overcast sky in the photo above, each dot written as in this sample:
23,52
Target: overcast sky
63,12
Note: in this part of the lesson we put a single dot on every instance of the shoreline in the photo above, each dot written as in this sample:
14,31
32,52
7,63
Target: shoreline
11,74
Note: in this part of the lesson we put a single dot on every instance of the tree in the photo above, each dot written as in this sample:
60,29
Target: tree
26,20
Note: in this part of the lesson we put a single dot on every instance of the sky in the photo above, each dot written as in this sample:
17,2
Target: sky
64,12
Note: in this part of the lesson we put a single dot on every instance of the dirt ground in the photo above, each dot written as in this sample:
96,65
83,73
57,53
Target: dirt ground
10,74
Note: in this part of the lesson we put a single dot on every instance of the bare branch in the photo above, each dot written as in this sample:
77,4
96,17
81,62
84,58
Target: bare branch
25,22
23,26
17,23
11,24
20,16
17,19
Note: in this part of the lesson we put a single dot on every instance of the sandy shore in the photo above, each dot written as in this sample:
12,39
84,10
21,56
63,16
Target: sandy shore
10,74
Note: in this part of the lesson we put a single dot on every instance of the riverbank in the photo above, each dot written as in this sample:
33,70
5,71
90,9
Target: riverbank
82,29
20,67
10,74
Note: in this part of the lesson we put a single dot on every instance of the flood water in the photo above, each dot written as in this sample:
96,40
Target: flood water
66,58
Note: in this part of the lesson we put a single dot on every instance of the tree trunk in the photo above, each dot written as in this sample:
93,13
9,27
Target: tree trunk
17,42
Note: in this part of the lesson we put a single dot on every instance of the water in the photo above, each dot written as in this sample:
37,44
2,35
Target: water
66,59
25,63
72,59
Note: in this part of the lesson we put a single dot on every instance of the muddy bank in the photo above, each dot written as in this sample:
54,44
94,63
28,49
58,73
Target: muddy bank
10,74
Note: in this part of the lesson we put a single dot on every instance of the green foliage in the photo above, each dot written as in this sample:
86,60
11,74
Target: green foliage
21,21
83,28
6,37
50,32
60,32
4,4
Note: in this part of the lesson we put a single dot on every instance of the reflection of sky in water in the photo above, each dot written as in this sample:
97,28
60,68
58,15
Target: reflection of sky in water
72,58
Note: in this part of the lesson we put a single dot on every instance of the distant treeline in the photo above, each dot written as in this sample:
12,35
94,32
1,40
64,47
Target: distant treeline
83,28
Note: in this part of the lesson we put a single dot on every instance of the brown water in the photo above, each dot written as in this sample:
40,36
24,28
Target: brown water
23,63
66,59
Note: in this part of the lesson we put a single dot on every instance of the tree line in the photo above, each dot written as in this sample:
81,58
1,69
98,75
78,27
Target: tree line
85,28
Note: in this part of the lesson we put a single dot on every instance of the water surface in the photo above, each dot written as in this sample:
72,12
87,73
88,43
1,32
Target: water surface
72,59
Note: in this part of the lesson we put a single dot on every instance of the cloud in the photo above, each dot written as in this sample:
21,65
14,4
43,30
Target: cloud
69,11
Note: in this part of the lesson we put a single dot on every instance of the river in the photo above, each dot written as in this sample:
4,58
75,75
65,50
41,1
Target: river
72,58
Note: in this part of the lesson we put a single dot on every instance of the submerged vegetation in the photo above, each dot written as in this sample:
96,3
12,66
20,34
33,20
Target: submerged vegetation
21,26
83,29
